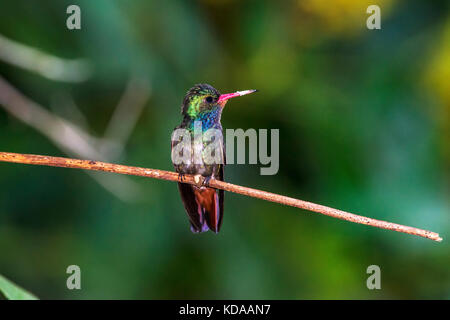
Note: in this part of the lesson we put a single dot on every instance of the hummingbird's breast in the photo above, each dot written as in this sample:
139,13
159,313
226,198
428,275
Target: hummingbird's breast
206,155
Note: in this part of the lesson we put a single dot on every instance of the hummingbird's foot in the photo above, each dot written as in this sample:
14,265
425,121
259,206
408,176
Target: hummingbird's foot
180,176
206,181
198,180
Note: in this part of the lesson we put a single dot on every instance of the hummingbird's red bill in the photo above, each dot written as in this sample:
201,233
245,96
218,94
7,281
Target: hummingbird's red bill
224,97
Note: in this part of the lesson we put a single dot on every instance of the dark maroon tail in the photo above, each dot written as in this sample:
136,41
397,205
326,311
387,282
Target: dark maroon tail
204,207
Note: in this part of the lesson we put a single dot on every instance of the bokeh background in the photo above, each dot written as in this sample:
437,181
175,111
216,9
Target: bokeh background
364,126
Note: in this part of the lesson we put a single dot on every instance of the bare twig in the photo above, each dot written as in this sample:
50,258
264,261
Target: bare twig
63,105
197,180
67,136
125,116
62,132
46,65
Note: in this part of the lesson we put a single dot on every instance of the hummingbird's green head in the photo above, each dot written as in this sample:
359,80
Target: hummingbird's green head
202,99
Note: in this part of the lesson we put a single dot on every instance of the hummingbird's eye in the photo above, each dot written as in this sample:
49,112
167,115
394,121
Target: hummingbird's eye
209,99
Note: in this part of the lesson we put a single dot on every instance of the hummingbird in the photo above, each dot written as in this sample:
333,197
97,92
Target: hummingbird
203,104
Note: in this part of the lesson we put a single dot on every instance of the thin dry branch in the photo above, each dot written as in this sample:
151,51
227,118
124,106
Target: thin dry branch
74,140
126,115
197,180
48,66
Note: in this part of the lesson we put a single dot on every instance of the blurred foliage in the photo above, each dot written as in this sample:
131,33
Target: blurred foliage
364,127
13,292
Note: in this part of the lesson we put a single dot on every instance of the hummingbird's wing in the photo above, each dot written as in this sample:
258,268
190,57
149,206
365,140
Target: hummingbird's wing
188,198
192,207
203,205
220,195
213,199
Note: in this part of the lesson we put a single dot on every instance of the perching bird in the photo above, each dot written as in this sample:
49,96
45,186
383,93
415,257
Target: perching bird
203,105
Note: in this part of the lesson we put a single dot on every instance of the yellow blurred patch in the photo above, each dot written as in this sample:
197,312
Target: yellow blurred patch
437,82
339,17
438,73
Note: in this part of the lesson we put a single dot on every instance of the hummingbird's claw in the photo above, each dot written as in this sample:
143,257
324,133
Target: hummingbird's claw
206,181
180,176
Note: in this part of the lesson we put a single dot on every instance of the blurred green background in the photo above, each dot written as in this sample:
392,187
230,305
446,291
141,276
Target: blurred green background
364,119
